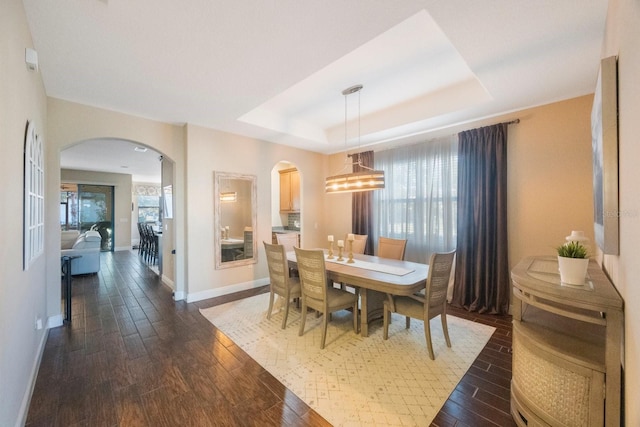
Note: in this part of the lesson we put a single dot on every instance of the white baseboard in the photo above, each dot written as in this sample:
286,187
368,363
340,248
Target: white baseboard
122,248
179,296
26,399
55,321
168,282
212,293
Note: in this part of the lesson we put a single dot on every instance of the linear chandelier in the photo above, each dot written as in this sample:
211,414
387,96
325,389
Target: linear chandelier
365,178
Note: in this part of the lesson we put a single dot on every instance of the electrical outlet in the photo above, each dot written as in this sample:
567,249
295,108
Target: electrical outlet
38,323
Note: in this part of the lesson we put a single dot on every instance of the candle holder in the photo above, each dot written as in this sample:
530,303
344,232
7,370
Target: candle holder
350,260
340,254
330,256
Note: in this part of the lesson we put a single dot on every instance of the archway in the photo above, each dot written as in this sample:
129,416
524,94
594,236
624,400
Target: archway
145,195
286,197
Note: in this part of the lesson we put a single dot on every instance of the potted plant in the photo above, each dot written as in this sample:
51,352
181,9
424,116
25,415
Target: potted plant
573,262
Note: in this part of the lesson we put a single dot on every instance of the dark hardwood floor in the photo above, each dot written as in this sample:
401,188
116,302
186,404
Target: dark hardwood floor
132,356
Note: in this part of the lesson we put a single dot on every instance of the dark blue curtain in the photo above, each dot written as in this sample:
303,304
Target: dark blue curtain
482,266
362,203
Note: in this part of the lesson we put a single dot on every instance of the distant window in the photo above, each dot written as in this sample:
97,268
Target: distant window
148,203
33,196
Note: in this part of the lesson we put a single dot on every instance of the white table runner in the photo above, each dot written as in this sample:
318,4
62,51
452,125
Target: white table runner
382,268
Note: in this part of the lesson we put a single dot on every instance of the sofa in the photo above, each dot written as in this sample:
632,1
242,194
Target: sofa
87,246
68,238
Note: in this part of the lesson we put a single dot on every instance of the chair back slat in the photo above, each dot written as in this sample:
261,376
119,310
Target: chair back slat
391,248
359,243
248,244
288,240
438,278
313,276
278,269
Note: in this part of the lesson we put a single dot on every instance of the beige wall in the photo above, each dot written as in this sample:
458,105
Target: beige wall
168,226
197,153
71,123
121,200
622,39
24,294
209,151
549,177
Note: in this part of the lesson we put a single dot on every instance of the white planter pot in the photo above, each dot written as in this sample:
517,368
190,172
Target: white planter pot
573,271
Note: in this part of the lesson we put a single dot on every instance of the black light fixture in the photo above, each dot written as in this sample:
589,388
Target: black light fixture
366,179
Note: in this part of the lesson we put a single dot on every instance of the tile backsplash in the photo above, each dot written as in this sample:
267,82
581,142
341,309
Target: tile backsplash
293,221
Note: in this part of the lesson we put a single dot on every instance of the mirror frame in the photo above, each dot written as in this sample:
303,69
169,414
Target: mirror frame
218,177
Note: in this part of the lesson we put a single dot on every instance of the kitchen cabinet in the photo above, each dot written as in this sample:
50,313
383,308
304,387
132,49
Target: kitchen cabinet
289,190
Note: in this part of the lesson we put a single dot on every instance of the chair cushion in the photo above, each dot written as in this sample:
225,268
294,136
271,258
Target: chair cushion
339,298
409,307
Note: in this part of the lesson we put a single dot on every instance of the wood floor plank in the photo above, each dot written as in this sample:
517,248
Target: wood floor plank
483,410
128,407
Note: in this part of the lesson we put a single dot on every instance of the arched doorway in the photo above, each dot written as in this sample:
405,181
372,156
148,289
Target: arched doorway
143,191
286,206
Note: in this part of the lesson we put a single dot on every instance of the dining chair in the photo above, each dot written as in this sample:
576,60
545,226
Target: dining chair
391,248
288,240
425,306
248,242
150,248
316,292
359,243
143,240
280,281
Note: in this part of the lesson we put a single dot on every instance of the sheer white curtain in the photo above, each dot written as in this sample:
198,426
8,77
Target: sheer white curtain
419,200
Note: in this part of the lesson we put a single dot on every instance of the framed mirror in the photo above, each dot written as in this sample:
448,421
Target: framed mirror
234,219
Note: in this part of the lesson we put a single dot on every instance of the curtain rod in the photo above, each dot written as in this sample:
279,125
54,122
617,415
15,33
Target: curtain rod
512,122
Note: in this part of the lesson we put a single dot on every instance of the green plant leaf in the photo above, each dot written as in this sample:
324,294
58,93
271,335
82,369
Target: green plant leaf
572,250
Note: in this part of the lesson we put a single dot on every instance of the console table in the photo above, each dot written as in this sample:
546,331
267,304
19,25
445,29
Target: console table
566,347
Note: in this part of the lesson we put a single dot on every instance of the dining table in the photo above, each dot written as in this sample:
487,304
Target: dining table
375,278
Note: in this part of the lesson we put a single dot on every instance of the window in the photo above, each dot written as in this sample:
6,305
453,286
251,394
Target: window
33,196
148,198
419,201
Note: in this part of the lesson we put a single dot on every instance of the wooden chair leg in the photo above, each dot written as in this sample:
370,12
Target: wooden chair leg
286,314
427,335
270,305
445,329
303,318
407,322
325,322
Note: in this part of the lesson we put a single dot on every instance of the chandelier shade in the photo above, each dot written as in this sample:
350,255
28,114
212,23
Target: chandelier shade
353,182
228,196
365,179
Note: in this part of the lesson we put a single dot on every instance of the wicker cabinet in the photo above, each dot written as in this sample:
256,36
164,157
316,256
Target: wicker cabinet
566,347
289,190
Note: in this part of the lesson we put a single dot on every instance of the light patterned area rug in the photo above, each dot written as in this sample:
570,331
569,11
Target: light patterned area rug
355,381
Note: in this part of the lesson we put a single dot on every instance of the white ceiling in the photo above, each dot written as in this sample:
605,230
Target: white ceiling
274,70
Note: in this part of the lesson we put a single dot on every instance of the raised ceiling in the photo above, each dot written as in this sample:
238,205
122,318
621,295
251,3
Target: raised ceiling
274,70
